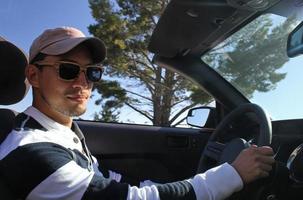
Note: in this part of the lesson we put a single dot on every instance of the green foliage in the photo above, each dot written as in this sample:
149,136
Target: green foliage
156,93
113,96
251,58
159,95
107,115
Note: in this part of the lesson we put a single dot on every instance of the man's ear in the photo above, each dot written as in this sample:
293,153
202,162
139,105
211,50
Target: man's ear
32,75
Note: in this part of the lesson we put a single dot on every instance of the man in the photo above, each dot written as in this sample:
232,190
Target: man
46,156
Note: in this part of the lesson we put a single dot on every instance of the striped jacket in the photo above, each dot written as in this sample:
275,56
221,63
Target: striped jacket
42,159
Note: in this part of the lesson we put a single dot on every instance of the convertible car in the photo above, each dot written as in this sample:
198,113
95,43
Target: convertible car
244,55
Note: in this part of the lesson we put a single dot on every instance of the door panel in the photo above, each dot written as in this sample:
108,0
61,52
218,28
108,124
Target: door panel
146,152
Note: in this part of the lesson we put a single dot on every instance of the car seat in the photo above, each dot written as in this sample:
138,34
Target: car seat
13,87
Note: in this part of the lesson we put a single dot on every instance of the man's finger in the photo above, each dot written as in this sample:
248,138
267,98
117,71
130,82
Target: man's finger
263,174
266,159
265,167
265,150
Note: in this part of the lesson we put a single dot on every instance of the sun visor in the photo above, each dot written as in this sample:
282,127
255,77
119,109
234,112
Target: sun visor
187,24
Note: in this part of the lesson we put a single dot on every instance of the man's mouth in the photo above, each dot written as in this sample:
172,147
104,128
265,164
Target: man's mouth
77,98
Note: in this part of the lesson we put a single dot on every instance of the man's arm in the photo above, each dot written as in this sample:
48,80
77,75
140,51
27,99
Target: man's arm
216,183
49,171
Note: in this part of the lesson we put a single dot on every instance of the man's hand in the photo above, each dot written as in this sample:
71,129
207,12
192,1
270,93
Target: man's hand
254,162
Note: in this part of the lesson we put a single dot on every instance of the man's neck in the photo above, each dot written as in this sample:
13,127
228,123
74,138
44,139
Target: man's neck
54,115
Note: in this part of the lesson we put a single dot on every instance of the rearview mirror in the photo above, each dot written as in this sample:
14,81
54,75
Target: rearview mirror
201,117
295,41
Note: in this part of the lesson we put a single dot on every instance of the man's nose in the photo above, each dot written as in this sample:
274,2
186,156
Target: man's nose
81,80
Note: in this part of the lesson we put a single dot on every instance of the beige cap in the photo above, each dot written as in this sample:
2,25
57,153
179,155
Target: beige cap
61,40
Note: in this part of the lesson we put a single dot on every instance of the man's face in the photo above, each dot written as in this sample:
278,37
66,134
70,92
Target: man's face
65,97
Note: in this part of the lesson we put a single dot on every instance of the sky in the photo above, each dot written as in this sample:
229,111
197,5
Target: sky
22,21
285,102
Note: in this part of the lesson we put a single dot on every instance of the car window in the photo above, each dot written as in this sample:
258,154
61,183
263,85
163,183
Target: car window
163,100
133,90
254,60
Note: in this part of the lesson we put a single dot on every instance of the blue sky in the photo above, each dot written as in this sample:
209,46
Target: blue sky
22,21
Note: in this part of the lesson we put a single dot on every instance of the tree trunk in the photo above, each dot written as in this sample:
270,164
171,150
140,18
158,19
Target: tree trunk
167,99
157,97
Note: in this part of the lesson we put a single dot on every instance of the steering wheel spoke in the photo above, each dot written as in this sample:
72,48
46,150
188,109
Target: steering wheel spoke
216,153
214,150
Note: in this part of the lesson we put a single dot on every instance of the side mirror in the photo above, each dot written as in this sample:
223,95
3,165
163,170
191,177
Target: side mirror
201,117
295,41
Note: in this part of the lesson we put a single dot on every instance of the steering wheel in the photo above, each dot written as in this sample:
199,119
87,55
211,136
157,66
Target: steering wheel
217,152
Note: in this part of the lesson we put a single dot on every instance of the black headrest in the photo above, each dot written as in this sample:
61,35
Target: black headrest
13,84
7,119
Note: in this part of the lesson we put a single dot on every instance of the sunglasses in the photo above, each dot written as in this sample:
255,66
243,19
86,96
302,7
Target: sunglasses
69,71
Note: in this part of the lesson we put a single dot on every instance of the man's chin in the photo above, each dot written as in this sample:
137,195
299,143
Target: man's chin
73,112
77,112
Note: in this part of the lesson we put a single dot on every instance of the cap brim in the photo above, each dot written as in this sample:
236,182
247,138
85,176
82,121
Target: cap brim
95,45
12,76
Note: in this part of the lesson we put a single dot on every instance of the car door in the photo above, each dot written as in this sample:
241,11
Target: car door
146,152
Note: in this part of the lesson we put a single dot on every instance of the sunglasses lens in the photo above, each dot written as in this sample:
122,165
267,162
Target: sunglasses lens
68,71
94,74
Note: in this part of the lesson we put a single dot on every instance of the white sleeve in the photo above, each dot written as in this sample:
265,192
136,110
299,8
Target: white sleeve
217,183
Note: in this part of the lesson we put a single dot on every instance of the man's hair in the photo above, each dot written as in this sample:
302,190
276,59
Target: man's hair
39,57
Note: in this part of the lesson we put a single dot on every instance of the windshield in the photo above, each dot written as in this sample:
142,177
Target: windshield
254,60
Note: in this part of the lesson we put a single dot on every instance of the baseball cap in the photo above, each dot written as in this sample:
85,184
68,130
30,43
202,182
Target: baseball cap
61,40
14,85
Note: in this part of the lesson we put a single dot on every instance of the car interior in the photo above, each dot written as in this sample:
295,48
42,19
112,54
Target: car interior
187,30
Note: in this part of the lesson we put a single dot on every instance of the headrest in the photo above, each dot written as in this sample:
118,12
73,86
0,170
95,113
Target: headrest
13,84
7,119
